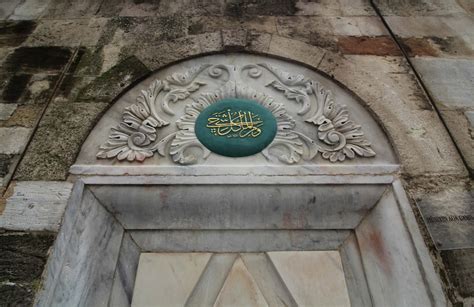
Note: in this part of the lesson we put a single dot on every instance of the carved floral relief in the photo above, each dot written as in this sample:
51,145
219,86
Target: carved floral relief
138,136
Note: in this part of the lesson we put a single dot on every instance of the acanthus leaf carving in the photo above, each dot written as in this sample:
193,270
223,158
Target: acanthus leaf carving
340,136
134,137
295,87
177,94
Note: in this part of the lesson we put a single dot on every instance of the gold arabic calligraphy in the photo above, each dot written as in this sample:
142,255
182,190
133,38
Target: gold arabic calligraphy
233,124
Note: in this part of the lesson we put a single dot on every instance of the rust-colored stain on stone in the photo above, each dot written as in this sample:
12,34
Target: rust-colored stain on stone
416,46
365,45
377,245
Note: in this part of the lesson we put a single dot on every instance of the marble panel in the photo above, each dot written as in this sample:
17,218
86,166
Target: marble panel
81,269
392,260
212,279
167,279
313,277
239,206
125,273
356,281
240,289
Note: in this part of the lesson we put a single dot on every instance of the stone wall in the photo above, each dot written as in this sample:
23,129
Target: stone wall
62,64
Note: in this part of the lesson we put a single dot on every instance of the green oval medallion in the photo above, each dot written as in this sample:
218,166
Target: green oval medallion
236,127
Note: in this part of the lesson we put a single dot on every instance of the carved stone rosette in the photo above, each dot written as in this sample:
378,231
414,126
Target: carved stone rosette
138,137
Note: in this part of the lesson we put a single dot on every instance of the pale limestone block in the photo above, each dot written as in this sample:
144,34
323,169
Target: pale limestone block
71,33
356,8
461,25
318,8
240,289
35,205
13,140
297,50
6,110
450,81
313,277
167,279
7,7
357,26
30,9
419,26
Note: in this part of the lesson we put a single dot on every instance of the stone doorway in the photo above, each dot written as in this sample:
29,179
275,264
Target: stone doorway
359,244
149,193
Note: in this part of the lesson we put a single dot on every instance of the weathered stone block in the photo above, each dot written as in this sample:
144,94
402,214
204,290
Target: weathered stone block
258,42
37,59
58,9
114,81
88,62
29,89
240,8
450,81
6,110
302,52
5,161
13,140
449,215
386,84
415,46
380,45
418,8
14,33
7,7
462,131
30,9
22,259
156,56
57,140
35,205
460,265
206,24
141,31
71,33
24,116
210,42
317,29
234,40
15,87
